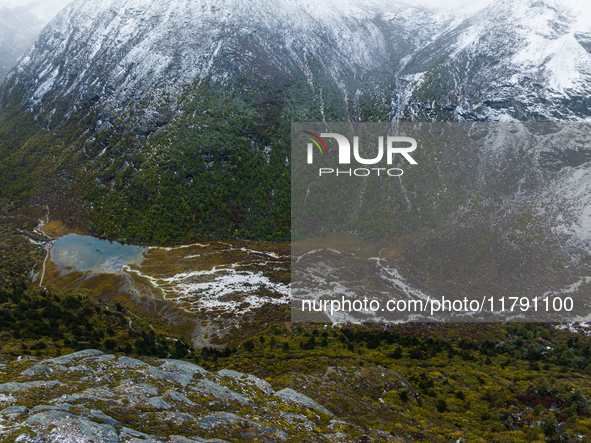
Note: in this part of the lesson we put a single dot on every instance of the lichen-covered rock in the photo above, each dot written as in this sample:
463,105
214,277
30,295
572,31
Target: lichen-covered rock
219,419
128,386
136,401
207,387
80,354
104,417
127,434
158,403
177,396
294,396
248,379
63,427
18,410
149,389
105,357
15,387
129,362
183,367
81,368
95,394
41,369
181,372
58,407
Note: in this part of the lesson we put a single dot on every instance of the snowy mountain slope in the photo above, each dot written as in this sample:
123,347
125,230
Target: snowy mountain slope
122,50
515,60
524,60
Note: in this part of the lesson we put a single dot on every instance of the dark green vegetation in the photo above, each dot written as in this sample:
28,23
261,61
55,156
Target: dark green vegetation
214,164
502,383
40,321
58,321
210,162
211,173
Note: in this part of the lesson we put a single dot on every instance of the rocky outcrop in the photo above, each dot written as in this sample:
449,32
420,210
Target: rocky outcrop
301,399
90,396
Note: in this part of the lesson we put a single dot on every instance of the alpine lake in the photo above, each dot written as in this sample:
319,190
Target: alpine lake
202,291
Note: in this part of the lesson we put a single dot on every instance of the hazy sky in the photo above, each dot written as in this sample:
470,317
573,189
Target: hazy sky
454,4
54,4
44,10
438,4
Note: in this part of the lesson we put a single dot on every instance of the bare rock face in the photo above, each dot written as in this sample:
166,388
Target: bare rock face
120,399
302,399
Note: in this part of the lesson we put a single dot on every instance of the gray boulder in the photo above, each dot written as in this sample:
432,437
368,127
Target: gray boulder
148,389
97,413
218,419
302,399
103,358
129,362
296,419
70,428
181,372
182,366
128,433
207,387
102,393
59,407
16,410
41,369
177,396
248,379
158,403
73,398
81,368
227,418
15,387
80,354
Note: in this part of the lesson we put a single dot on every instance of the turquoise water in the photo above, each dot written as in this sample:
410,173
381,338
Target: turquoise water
85,253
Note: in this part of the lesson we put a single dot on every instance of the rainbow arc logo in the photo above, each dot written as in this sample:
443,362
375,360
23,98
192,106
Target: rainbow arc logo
315,140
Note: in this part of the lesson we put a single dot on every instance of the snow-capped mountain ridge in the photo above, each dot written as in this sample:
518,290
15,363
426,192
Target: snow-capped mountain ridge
113,51
515,60
135,44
